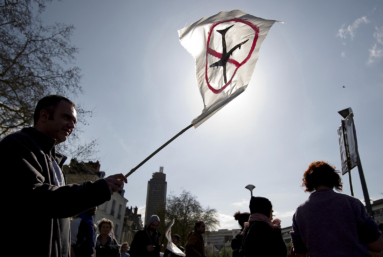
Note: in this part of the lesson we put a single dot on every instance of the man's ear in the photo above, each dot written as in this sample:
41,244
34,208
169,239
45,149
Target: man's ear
44,115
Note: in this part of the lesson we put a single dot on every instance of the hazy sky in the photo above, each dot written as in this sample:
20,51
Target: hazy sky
141,84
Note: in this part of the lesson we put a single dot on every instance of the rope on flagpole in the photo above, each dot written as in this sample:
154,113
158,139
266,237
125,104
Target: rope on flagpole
159,149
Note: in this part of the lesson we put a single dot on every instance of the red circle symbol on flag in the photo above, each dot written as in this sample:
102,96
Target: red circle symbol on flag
225,56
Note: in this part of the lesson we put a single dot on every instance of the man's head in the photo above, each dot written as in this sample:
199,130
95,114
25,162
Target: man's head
105,226
176,239
153,223
321,174
199,227
260,205
124,247
56,117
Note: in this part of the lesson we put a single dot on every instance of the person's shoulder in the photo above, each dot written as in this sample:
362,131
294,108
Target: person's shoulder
16,136
139,233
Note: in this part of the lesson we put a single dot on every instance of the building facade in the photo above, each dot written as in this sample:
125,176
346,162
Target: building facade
156,194
220,237
79,172
114,210
132,224
377,210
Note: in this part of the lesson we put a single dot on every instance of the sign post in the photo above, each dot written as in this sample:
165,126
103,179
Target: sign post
349,153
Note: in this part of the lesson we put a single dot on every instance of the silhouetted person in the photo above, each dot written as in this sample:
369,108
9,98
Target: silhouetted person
195,246
83,234
236,242
31,171
262,235
332,224
146,242
106,246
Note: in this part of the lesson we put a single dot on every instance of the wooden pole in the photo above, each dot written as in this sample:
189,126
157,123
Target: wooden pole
159,149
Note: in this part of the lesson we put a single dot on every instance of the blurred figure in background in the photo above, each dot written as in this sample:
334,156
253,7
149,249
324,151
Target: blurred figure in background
106,246
146,242
236,242
195,246
262,235
124,249
83,234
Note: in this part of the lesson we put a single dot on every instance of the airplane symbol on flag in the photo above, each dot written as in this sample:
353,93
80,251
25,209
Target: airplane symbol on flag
226,55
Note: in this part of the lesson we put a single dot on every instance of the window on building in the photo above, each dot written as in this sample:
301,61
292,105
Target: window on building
113,205
119,212
116,231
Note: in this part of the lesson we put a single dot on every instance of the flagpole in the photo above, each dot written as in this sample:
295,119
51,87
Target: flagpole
159,149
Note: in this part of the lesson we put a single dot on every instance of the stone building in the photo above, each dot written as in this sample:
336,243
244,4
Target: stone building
156,194
220,237
132,224
79,172
114,210
377,210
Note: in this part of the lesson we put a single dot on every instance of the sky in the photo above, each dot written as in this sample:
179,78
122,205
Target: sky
140,83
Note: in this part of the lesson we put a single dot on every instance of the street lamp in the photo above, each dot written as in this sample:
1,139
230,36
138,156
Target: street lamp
349,152
250,187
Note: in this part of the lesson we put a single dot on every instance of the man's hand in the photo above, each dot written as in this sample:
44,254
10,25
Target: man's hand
162,247
150,248
115,182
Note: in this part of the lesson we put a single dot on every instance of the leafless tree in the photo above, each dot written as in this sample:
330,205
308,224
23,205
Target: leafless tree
35,61
187,210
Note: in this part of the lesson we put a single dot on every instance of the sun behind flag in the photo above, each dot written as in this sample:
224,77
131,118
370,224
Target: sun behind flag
225,47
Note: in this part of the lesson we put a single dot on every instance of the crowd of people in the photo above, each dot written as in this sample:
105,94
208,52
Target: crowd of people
327,224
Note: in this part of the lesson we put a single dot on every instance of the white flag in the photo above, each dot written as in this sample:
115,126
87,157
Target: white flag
225,47
171,246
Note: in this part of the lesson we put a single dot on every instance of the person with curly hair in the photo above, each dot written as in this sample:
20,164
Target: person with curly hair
329,223
106,246
236,242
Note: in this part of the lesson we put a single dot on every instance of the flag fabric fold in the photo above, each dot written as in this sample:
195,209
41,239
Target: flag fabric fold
226,48
171,246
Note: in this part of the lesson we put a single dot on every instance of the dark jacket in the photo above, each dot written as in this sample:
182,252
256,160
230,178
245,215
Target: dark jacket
195,246
34,203
261,240
236,245
110,249
141,240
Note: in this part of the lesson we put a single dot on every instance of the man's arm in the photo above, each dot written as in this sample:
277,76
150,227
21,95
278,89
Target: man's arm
299,247
22,169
